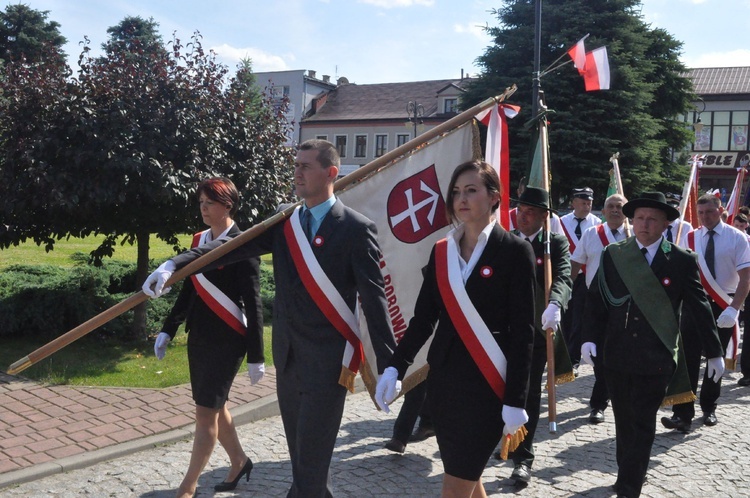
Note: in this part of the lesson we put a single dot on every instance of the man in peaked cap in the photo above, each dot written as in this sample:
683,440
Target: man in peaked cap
533,209
637,280
573,225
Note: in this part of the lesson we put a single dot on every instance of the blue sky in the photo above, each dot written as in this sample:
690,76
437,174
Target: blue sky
376,41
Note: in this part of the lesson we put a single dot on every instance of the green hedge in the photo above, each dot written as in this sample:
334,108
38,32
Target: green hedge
46,301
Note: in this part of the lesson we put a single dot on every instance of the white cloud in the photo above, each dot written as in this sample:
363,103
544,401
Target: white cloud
473,28
734,58
389,4
261,60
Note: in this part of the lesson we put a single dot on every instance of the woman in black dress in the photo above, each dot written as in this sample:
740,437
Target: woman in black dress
479,289
223,316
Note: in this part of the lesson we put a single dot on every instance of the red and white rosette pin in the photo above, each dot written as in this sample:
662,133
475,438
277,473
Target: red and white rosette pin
317,241
486,271
666,281
539,261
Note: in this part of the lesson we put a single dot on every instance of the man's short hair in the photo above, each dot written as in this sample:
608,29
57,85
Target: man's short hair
709,199
741,217
615,196
328,155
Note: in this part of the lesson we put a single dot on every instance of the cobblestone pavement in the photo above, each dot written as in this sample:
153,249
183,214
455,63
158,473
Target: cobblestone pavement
576,461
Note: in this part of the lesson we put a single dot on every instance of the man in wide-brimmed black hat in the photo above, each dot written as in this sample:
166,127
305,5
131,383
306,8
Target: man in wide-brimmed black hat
533,209
574,224
638,280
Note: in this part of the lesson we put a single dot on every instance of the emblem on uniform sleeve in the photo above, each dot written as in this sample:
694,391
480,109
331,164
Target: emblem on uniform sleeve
486,271
416,208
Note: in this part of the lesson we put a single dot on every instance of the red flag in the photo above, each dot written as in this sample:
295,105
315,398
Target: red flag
733,205
596,73
497,152
578,54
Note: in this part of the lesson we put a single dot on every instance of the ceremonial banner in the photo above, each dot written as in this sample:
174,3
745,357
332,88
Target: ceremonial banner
406,200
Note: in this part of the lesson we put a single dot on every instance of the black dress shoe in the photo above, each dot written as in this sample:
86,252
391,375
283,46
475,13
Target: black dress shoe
575,370
230,485
421,434
709,419
676,423
596,416
395,445
521,474
744,381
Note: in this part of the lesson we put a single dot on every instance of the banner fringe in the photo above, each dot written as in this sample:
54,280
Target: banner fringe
511,442
676,399
346,378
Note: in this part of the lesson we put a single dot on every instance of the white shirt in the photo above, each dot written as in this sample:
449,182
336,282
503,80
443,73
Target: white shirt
467,267
569,220
731,254
589,250
651,250
686,229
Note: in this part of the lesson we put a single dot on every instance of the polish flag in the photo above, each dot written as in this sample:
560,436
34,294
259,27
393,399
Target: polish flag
578,54
596,73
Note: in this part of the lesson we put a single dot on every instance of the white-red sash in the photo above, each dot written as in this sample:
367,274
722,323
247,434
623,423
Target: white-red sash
714,290
466,319
571,244
605,236
323,292
215,299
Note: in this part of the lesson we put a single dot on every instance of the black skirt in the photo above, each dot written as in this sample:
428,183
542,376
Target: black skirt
214,358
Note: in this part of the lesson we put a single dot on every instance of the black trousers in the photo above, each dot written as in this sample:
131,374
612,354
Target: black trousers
524,454
599,393
635,403
414,406
710,390
573,316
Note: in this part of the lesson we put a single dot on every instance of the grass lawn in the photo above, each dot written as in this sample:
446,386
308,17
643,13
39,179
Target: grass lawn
93,361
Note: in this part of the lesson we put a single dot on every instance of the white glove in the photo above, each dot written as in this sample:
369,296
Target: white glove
256,371
551,317
588,353
387,389
513,418
158,279
715,368
160,345
727,318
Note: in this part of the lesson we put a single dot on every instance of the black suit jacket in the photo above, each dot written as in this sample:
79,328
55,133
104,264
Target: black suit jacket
349,255
504,300
629,343
241,283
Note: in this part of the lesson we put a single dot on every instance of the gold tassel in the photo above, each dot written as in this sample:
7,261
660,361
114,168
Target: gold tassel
564,378
511,442
676,399
730,363
346,378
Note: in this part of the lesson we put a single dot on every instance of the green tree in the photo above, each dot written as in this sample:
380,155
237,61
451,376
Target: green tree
120,149
636,117
24,33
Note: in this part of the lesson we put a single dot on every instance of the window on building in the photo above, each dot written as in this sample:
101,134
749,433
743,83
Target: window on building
450,106
341,145
703,136
401,139
381,145
360,145
321,137
739,131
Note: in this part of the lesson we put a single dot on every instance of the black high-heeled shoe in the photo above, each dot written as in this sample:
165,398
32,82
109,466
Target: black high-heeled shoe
230,485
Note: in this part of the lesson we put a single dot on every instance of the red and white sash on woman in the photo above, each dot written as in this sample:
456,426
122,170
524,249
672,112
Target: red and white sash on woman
466,319
714,290
215,299
327,297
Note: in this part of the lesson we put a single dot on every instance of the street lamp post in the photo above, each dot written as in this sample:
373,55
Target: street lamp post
415,112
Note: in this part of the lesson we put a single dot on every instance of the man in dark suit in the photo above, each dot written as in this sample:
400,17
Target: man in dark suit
307,347
637,280
533,209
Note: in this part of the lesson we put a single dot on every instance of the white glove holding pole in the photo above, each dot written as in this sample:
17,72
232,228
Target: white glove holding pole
588,353
727,318
551,317
256,371
154,284
160,345
513,418
715,368
387,388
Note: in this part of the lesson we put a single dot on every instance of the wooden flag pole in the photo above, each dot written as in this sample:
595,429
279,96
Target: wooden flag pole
616,166
246,236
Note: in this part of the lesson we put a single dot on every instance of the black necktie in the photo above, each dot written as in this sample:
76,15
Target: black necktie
710,253
528,240
645,254
578,227
306,221
669,233
615,233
